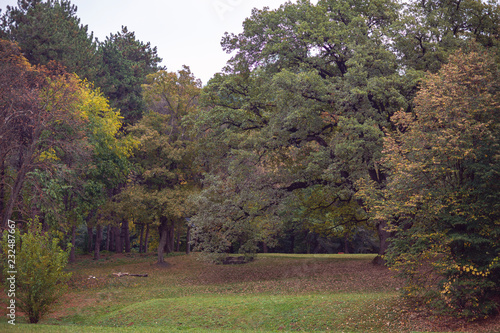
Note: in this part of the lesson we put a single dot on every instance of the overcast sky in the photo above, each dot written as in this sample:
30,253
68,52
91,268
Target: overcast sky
184,31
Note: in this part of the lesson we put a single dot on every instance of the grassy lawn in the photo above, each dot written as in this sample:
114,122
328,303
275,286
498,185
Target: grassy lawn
275,292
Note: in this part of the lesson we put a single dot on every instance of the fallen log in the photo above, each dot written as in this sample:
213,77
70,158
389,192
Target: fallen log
120,274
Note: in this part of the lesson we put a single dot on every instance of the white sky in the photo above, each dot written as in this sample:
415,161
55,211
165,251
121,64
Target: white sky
184,31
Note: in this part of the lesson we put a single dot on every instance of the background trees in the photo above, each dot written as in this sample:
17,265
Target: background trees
124,64
51,31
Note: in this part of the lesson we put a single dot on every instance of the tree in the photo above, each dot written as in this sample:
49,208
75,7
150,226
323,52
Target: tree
166,175
429,31
442,194
51,31
125,63
38,108
300,110
80,188
40,265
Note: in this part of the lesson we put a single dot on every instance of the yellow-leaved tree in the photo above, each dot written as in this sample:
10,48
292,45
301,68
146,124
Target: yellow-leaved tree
442,197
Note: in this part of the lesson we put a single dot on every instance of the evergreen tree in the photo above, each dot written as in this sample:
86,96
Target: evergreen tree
50,31
125,63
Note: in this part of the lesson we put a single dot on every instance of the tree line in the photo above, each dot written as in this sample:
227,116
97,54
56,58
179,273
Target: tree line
332,122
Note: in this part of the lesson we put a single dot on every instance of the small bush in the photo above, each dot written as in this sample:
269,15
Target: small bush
40,264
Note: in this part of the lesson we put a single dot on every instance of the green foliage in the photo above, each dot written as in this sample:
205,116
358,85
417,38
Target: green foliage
40,264
442,195
297,117
125,62
51,31
164,175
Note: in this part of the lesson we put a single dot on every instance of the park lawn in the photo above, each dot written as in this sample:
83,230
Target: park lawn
275,292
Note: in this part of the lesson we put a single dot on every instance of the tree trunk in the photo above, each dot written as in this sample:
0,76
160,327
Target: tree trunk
146,239
188,240
72,256
169,245
90,233
178,239
118,239
108,233
163,232
140,238
126,235
98,239
383,236
346,244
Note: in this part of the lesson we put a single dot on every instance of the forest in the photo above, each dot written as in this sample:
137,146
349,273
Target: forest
346,126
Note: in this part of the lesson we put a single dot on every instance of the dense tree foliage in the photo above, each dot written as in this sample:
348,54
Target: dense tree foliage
125,63
165,175
301,108
331,124
51,31
442,196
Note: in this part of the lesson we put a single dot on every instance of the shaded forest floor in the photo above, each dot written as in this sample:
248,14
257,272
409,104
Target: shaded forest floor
273,293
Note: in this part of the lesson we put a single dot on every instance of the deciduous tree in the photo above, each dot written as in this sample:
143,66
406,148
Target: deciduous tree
442,195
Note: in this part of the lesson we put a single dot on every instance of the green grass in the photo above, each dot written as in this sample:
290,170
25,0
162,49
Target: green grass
274,293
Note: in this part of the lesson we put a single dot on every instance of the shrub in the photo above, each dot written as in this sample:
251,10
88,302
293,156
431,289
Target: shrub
40,265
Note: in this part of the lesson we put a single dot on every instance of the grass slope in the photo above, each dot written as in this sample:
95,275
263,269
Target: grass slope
337,293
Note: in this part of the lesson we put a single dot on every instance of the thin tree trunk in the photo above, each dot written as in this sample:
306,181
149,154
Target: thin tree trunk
72,256
346,244
140,238
146,239
90,234
178,239
126,235
188,240
108,234
98,239
118,239
163,232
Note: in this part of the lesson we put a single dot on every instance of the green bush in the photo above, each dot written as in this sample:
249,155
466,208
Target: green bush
40,263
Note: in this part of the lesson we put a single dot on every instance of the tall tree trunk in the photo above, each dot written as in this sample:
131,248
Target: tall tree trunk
98,239
188,240
346,244
140,238
126,235
169,245
108,237
163,232
383,236
178,239
118,239
146,239
72,256
90,234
